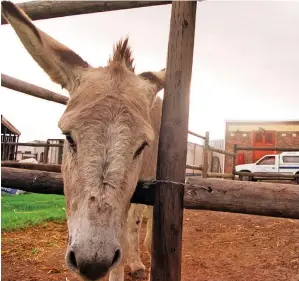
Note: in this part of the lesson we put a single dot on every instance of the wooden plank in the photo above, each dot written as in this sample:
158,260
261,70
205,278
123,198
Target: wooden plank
228,153
194,167
5,146
52,183
38,10
16,152
216,175
220,175
32,181
10,126
54,167
256,198
267,175
32,90
9,146
168,208
196,135
32,166
46,152
268,148
33,144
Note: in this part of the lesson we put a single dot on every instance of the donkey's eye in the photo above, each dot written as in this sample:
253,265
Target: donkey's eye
71,141
140,149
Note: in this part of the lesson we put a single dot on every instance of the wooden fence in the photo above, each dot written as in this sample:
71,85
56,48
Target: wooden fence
203,170
200,192
266,199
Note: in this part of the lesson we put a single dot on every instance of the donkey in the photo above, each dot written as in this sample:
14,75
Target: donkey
111,124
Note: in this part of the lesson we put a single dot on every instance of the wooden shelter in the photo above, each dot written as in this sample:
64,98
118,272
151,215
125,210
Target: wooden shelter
9,133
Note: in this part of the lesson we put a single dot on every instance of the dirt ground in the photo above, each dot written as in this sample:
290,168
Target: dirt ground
216,247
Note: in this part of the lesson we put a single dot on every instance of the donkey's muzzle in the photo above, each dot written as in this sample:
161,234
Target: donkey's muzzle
94,268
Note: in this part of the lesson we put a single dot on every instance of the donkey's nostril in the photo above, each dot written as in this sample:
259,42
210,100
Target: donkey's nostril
72,259
116,257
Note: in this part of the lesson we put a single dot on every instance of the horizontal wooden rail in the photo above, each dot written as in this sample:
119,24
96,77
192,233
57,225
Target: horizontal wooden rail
38,10
256,198
54,167
57,168
42,93
266,175
33,144
267,148
52,183
187,175
32,180
32,166
196,135
217,175
220,175
228,153
32,90
194,167
266,199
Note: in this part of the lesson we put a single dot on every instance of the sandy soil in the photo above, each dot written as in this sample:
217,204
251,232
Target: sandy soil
216,247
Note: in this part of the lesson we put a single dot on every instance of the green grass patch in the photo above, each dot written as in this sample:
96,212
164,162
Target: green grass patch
20,211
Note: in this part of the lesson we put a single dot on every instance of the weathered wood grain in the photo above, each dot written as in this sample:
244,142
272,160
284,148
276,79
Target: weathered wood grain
256,198
32,90
38,10
168,208
32,166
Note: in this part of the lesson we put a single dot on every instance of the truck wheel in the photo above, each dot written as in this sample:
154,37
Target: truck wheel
245,178
297,180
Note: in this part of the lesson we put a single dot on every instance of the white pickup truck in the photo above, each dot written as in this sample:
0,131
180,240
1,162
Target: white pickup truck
286,163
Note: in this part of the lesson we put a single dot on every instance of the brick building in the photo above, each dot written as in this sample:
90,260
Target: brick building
258,133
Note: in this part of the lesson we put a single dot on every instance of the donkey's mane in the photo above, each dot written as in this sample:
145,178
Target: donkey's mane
122,53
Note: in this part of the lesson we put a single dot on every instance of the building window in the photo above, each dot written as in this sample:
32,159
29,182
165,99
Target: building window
258,138
268,138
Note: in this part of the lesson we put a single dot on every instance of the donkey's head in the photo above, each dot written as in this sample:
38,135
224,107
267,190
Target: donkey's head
107,127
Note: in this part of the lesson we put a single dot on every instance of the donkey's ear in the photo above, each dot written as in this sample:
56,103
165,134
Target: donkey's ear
155,80
62,64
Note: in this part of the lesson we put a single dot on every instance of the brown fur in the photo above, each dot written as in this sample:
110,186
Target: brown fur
70,58
112,112
11,9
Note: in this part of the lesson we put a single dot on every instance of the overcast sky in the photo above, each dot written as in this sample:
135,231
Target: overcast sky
246,62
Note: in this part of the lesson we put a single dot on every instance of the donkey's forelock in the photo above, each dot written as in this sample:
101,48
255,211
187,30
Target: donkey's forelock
122,53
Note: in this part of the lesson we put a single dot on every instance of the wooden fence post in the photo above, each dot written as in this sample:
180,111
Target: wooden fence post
46,152
5,146
168,208
205,164
234,162
16,147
